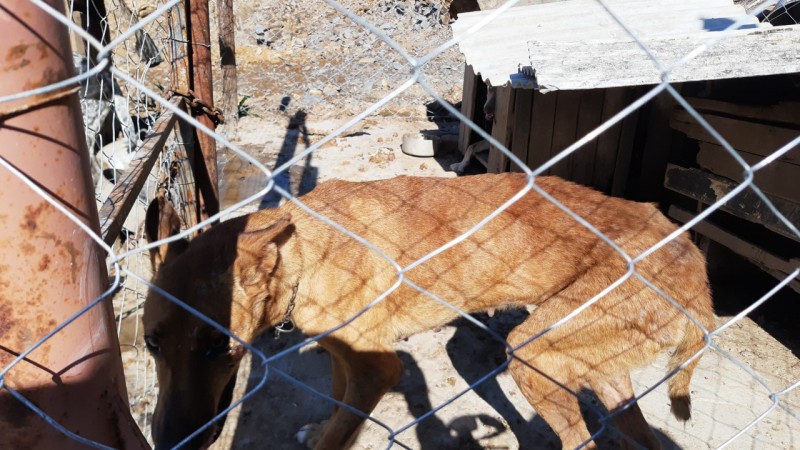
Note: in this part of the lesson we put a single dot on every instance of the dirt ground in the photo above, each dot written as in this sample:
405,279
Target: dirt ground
728,394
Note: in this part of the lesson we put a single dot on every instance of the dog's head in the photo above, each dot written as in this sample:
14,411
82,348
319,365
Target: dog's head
223,274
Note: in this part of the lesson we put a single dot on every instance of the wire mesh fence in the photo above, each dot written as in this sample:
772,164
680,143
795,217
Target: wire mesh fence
146,43
354,61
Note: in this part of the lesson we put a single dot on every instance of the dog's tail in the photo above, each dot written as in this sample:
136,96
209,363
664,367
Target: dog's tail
679,393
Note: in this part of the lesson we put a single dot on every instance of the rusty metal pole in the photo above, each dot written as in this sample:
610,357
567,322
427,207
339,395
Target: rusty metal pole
201,83
227,56
50,268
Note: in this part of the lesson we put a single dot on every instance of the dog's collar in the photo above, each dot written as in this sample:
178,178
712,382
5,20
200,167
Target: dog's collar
287,324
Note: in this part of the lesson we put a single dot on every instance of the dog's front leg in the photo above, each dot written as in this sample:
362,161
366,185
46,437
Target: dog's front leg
367,377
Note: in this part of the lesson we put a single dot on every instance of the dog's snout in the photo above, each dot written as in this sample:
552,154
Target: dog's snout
179,414
175,420
172,438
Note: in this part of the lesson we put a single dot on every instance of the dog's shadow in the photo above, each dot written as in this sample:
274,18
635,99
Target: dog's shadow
474,353
271,416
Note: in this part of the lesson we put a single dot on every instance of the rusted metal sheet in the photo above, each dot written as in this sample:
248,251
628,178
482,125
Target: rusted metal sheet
50,267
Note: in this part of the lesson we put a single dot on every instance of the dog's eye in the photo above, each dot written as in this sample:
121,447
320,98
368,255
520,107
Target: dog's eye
218,346
152,345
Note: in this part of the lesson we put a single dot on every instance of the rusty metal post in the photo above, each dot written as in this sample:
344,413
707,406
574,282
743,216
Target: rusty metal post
227,56
49,267
201,83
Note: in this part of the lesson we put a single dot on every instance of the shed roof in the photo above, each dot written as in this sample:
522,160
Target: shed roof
576,44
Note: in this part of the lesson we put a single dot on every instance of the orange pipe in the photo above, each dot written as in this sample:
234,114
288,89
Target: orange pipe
49,267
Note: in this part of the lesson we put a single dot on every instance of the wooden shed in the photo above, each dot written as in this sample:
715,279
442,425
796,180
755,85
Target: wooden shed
561,69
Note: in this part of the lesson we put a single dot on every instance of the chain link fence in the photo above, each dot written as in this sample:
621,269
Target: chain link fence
145,42
355,60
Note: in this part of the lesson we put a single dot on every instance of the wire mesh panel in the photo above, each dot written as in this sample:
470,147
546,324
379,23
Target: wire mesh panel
489,311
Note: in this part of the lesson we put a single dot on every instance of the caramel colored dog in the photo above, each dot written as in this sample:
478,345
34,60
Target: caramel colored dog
248,273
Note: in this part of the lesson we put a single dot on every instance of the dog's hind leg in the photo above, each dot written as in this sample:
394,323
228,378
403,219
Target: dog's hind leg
548,375
615,392
539,375
338,380
596,348
368,375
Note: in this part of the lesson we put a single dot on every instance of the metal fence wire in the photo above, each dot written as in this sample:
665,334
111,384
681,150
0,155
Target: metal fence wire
364,65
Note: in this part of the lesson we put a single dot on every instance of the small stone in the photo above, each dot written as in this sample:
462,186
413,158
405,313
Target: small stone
330,90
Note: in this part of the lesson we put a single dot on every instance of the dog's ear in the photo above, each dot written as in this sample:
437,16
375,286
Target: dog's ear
257,251
162,221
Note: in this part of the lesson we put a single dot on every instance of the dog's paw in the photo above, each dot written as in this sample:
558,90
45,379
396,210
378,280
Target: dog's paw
459,166
310,434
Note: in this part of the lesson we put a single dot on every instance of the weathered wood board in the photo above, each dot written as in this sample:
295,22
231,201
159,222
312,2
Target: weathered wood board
744,135
116,207
785,112
523,105
566,124
542,124
772,264
708,188
605,163
589,118
502,130
468,99
780,178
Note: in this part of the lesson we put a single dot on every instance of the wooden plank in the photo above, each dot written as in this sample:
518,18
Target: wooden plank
76,42
542,124
177,55
778,178
608,142
774,265
116,207
589,117
468,97
566,124
708,188
502,129
743,135
523,104
656,147
785,112
626,141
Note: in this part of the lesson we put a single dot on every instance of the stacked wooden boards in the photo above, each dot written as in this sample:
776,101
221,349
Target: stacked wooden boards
755,132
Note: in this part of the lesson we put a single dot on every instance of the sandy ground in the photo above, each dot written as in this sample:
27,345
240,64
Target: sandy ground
729,394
